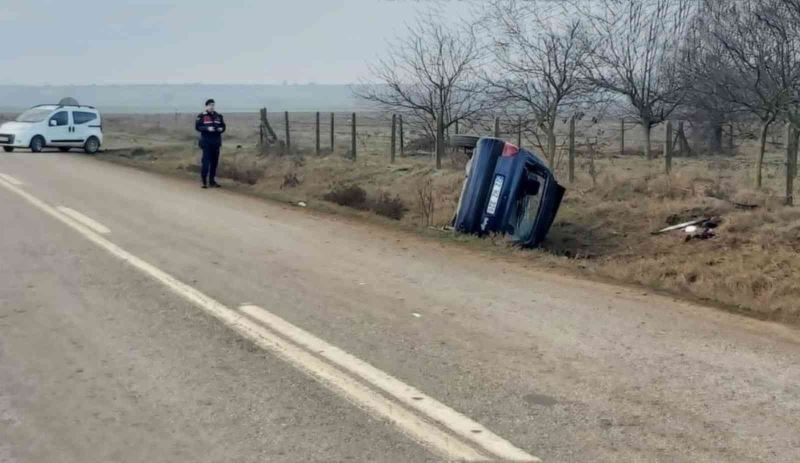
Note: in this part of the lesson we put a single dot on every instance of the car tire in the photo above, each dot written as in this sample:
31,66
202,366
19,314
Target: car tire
92,145
63,149
37,144
8,149
464,141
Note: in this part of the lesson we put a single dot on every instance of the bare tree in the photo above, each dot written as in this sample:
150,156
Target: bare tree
749,50
430,73
636,47
539,57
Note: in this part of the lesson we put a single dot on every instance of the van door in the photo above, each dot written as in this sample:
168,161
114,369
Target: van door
83,122
58,129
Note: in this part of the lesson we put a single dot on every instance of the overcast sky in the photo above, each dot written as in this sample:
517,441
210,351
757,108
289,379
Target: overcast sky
179,41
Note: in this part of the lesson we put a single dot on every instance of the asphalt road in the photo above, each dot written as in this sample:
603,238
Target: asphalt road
145,319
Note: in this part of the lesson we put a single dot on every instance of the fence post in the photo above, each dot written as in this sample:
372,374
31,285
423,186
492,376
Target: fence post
519,131
332,139
262,113
622,137
456,126
439,139
496,127
317,133
288,139
790,164
668,146
730,138
572,149
681,139
353,136
394,134
402,144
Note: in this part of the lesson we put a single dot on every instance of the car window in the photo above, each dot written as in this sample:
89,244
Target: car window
60,118
83,117
34,115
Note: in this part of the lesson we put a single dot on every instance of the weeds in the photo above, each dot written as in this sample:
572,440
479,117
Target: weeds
425,201
389,206
349,195
291,180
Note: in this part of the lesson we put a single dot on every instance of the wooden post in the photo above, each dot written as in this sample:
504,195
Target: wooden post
519,131
681,139
317,133
353,136
668,146
263,116
288,139
572,149
730,138
332,138
402,143
790,164
269,134
622,137
496,127
456,126
394,134
439,154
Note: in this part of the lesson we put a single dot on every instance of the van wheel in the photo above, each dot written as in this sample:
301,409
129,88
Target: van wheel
37,144
92,145
63,149
8,149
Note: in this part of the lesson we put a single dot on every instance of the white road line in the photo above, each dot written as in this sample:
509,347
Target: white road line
89,222
428,434
412,397
10,179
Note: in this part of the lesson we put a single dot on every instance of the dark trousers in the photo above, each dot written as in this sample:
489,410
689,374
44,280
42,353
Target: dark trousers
208,170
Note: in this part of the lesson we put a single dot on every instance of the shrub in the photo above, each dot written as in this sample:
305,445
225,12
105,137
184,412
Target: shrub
388,206
349,195
290,180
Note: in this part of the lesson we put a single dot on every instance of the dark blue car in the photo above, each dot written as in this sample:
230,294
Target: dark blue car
508,190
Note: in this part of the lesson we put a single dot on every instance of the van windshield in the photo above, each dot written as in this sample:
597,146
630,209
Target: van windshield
34,115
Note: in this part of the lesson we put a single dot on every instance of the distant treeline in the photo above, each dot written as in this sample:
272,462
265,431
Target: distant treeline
185,97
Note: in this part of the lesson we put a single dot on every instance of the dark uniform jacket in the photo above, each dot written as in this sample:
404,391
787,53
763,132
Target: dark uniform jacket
206,120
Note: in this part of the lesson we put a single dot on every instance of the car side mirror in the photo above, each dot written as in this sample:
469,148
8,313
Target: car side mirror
53,122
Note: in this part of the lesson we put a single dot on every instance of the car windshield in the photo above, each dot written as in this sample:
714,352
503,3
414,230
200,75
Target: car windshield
34,115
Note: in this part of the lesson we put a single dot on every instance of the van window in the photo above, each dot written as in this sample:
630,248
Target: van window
82,117
34,115
60,118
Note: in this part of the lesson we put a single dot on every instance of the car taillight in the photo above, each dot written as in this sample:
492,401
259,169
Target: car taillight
510,150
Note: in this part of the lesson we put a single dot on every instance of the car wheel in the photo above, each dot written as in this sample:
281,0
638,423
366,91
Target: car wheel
37,144
8,149
63,149
92,145
464,141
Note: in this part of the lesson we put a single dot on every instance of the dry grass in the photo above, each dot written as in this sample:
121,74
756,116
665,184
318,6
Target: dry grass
603,228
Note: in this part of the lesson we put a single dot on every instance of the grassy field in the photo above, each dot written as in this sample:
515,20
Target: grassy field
603,230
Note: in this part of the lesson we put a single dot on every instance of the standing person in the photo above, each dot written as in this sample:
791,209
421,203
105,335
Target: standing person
211,126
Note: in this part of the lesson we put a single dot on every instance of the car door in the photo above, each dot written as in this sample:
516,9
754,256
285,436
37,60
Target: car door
82,122
59,131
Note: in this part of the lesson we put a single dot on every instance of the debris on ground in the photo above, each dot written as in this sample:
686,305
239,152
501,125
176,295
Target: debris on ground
697,229
680,226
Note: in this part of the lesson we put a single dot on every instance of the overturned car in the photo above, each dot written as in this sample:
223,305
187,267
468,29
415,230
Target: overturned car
508,190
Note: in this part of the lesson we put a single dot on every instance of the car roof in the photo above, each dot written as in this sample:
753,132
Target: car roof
55,106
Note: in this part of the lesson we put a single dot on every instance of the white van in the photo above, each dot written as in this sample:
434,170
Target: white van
62,126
